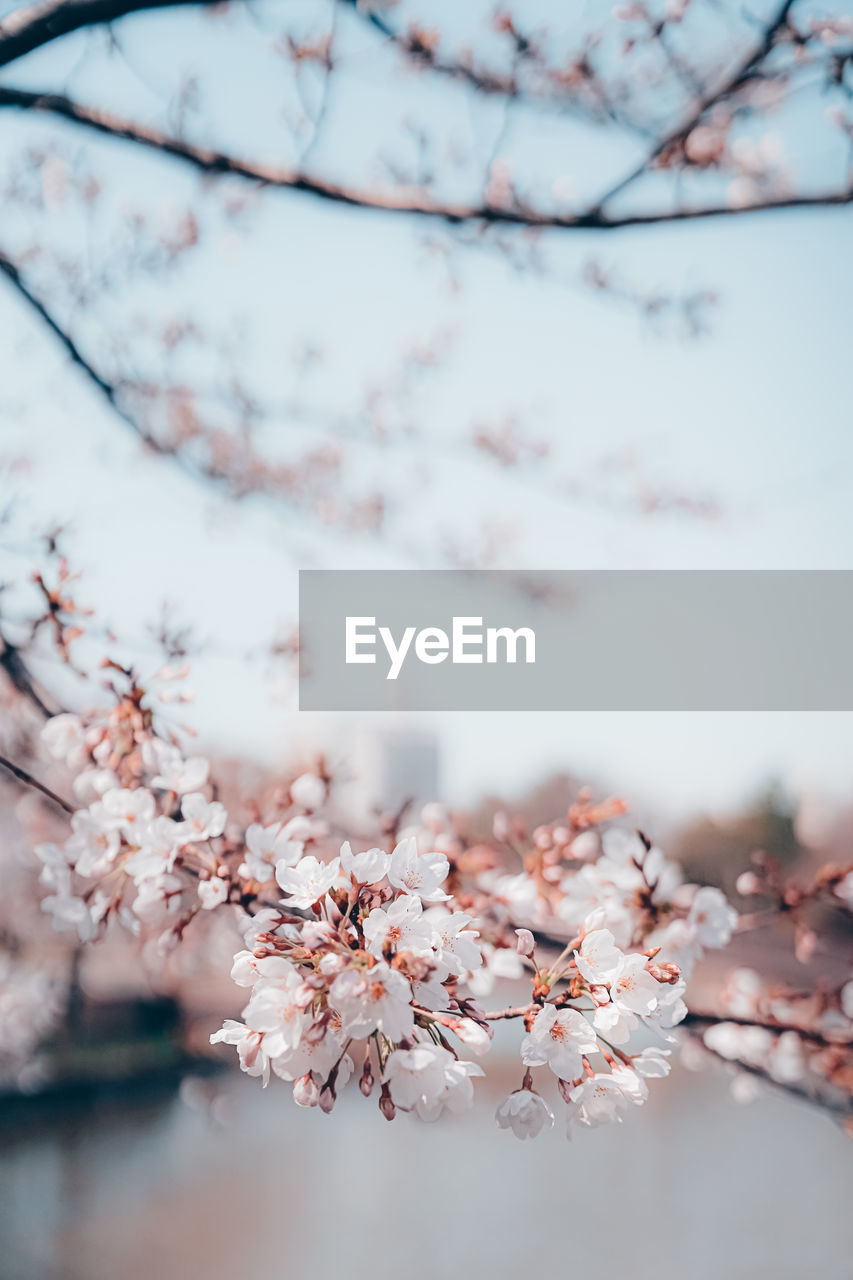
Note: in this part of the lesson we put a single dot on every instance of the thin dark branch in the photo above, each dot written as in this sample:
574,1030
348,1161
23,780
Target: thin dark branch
36,25
28,780
404,201
108,390
489,83
19,675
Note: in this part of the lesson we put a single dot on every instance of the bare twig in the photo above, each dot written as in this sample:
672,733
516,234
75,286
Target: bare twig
39,24
19,675
28,780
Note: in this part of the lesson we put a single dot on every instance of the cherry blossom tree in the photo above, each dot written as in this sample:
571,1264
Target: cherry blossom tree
673,101
372,958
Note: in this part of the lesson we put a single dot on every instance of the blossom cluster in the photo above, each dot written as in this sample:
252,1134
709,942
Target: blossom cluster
149,846
370,963
800,1041
377,958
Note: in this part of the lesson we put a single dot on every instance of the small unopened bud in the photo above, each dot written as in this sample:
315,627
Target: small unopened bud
541,985
316,932
305,1091
386,1106
526,943
327,1099
365,1084
747,884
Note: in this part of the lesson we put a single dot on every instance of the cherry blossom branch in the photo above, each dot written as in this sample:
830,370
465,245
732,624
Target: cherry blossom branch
842,1109
406,201
732,82
518,1011
107,389
557,94
707,1019
20,677
32,27
28,780
111,392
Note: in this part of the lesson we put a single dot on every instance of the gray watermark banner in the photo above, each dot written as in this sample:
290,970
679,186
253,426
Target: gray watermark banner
448,640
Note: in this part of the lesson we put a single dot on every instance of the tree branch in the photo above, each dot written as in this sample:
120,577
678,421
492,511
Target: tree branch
733,81
404,201
706,1019
19,676
28,780
108,390
495,84
842,1109
111,391
36,25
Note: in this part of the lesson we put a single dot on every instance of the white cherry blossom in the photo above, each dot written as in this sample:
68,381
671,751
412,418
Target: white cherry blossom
158,847
712,917
598,1100
308,791
212,892
525,1113
92,848
278,1009
457,1094
368,867
308,881
248,968
598,958
422,874
266,847
416,1075
457,949
376,999
126,811
631,1082
157,898
64,738
402,926
203,819
615,1023
171,772
70,914
633,989
558,1039
477,1037
653,1063
250,1047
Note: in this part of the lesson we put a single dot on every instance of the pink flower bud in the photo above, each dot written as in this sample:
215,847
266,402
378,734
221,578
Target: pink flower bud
525,944
305,1091
386,1106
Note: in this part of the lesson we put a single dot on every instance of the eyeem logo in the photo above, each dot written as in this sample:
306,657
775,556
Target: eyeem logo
468,642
